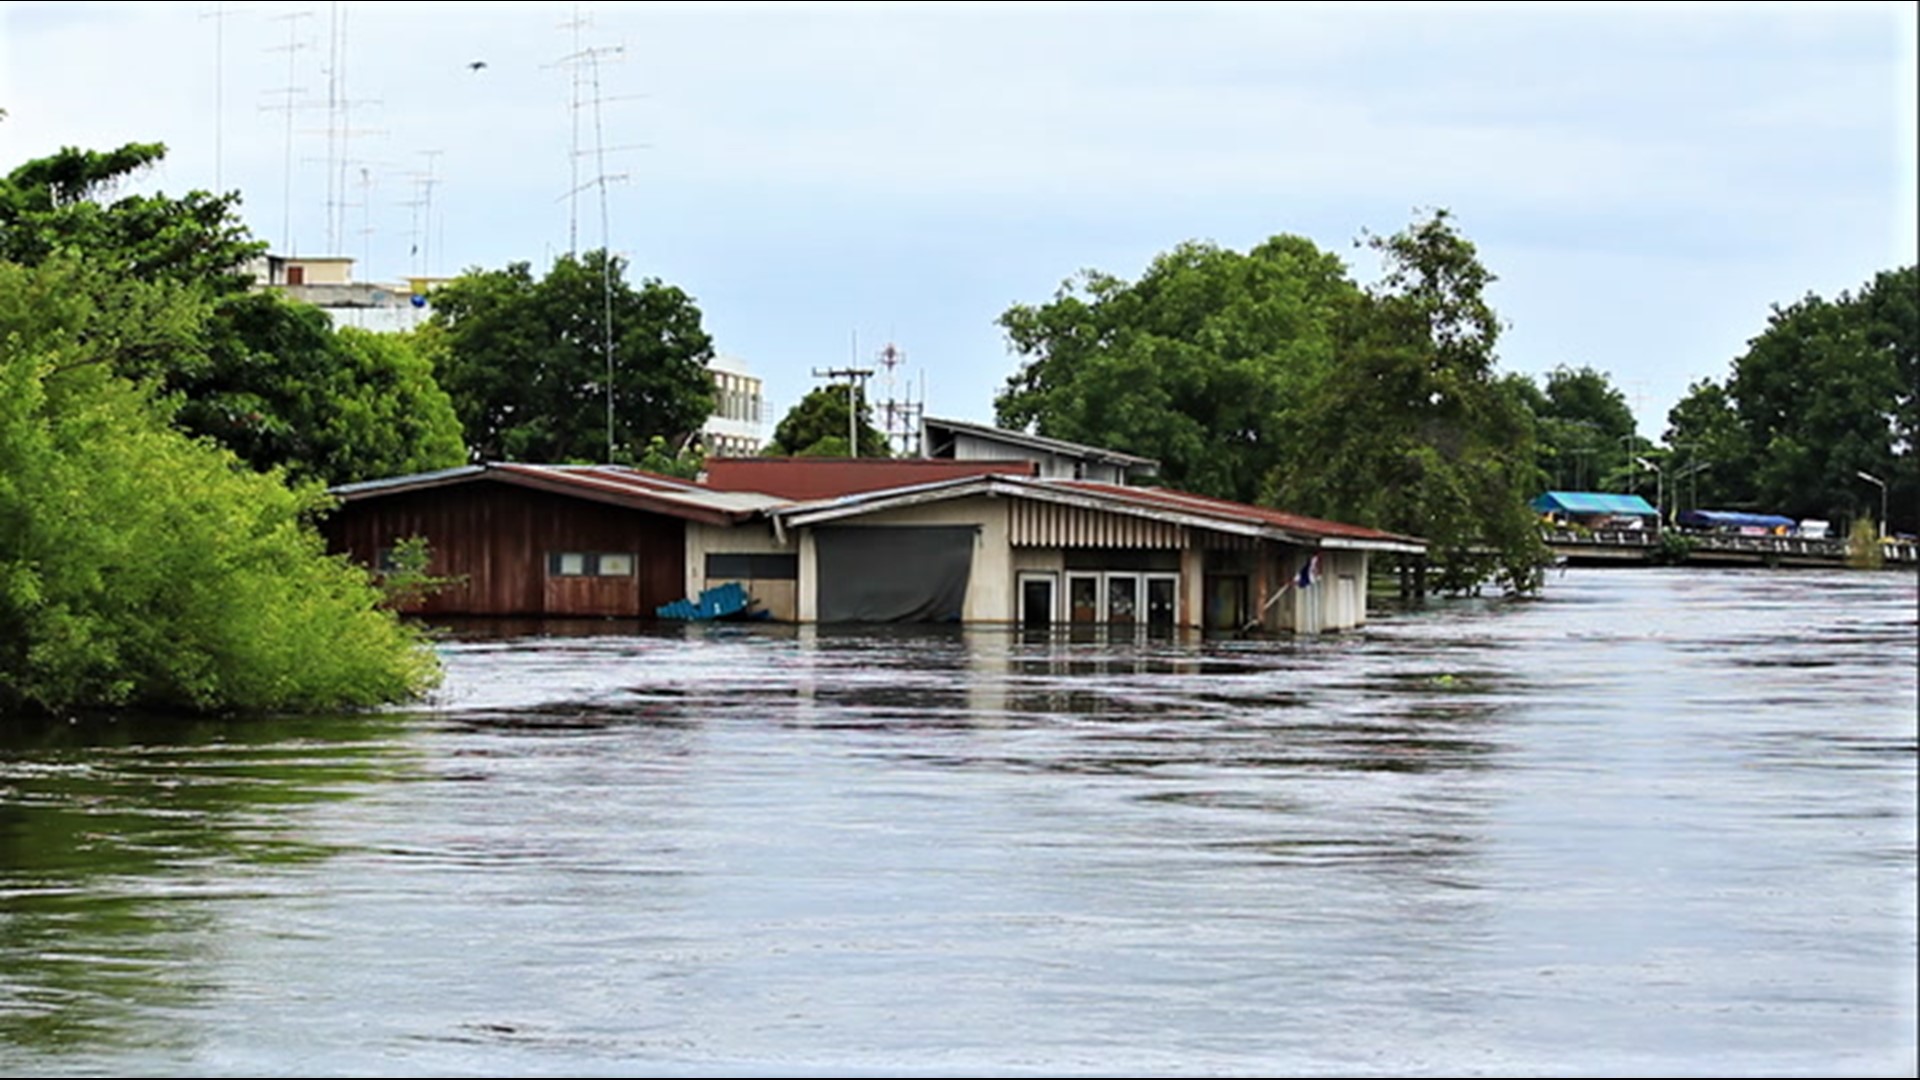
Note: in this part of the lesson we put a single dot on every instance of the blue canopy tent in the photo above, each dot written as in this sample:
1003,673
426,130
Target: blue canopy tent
1591,504
1734,520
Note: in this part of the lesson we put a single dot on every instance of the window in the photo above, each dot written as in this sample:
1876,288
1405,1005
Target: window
771,566
590,564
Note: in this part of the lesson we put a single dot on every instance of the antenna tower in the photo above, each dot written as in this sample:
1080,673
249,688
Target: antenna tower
220,14
339,131
290,91
901,416
421,231
583,68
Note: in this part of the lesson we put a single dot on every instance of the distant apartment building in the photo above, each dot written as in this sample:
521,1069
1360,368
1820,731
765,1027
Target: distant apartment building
326,282
739,410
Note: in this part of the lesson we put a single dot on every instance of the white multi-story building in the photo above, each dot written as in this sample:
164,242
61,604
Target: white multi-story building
326,282
739,410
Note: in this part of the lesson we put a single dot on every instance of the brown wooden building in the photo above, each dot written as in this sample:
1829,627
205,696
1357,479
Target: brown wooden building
537,540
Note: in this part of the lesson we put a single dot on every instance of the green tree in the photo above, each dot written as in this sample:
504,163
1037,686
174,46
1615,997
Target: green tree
139,566
817,427
1584,431
269,378
282,387
55,204
526,361
1826,392
1412,431
1194,364
1708,451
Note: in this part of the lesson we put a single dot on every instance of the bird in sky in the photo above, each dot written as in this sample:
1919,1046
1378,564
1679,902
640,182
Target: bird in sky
476,65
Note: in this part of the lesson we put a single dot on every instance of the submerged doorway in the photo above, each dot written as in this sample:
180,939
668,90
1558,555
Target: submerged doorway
1037,604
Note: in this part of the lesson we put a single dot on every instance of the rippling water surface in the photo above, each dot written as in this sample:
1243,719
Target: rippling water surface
1656,823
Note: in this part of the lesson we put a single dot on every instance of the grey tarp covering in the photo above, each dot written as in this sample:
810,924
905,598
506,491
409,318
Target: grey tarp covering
893,573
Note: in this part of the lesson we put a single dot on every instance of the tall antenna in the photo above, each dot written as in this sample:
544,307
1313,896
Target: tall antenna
422,230
291,48
366,210
219,15
340,133
336,95
583,68
901,417
575,24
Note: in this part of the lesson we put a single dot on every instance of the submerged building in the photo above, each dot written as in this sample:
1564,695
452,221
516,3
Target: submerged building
865,540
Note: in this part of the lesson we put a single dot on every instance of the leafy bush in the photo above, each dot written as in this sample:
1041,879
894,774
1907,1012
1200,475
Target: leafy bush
139,566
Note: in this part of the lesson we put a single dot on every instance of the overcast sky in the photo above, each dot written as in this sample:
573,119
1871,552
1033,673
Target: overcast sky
824,178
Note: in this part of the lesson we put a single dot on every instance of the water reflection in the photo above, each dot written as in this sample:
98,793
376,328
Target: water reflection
122,841
1479,838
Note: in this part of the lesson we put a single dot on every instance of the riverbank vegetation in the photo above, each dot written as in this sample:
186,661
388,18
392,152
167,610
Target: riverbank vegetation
141,566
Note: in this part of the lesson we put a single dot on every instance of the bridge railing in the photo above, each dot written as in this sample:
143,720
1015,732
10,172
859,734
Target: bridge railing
1833,548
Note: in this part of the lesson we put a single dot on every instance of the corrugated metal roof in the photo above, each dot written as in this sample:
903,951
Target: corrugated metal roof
828,478
1594,502
624,486
615,484
1293,523
1157,503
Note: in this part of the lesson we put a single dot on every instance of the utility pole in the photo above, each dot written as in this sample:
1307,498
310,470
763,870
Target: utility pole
855,378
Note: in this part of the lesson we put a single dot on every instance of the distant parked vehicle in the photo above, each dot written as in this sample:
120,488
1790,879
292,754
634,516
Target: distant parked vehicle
1815,529
1736,521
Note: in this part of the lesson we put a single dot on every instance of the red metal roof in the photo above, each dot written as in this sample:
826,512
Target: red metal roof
831,478
615,484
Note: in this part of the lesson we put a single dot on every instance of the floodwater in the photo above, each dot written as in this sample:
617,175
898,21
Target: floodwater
1656,823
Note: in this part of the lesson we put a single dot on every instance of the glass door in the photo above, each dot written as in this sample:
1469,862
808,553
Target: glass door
1123,599
1163,600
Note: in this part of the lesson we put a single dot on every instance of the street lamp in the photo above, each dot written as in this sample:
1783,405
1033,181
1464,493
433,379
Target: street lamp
1659,491
1872,479
1691,474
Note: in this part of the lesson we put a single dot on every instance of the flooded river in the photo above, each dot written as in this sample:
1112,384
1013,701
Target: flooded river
1656,823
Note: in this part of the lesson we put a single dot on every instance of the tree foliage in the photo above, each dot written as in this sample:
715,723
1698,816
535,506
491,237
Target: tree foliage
1824,393
817,427
269,378
1273,376
1194,364
281,386
526,362
139,566
1584,431
57,204
1412,431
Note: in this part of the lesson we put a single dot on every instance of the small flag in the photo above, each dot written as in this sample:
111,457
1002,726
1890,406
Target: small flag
1308,571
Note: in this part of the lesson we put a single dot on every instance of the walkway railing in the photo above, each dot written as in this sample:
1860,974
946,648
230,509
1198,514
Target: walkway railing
1761,547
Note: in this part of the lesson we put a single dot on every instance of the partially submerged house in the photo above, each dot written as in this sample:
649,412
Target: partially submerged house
538,540
867,541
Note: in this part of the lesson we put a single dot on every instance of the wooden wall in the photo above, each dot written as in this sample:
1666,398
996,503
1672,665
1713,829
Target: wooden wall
497,537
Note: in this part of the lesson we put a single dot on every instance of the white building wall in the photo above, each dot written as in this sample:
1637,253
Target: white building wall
1053,466
780,599
990,588
1337,599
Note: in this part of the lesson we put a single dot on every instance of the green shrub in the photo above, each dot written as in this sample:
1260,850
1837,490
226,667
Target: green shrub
141,567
